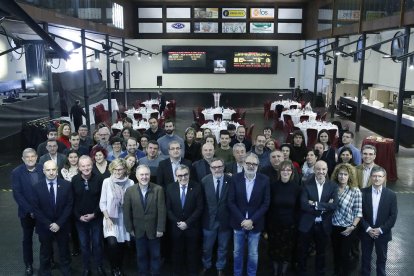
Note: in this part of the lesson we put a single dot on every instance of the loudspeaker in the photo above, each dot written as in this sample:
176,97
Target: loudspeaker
291,82
159,80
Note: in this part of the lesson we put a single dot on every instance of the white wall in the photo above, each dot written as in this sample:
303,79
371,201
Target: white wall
145,71
10,67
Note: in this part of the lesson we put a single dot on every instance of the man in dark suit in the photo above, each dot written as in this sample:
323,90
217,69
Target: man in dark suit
145,215
51,135
379,213
23,178
319,200
184,210
363,171
216,216
202,166
52,202
166,168
240,137
239,153
248,201
53,154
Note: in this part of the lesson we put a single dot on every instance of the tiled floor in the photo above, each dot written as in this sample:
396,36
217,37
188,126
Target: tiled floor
401,248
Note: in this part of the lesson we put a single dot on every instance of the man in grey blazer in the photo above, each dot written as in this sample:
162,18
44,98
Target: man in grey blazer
53,154
215,217
145,215
379,213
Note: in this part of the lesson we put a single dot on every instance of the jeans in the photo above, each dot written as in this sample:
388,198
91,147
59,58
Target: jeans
253,238
210,237
90,232
28,226
148,256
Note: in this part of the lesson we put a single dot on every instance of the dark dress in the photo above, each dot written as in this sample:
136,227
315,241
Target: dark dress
104,175
193,152
282,219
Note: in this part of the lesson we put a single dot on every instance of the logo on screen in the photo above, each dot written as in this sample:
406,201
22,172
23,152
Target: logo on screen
178,25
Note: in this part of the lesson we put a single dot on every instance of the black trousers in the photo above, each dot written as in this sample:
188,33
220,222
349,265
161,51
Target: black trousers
381,248
185,251
28,226
342,248
320,237
46,252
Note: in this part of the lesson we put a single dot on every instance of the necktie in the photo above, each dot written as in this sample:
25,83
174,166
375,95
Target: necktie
182,196
218,190
52,194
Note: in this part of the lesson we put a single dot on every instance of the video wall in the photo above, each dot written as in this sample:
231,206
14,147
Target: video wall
220,59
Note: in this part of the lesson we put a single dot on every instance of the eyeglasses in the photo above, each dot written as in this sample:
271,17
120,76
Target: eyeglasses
182,175
252,164
217,167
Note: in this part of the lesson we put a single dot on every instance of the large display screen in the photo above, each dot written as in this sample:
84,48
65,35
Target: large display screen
190,59
220,59
252,60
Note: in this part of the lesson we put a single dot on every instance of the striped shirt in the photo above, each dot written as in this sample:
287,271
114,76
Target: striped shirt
349,207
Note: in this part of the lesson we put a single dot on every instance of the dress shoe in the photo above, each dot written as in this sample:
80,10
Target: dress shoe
100,271
220,273
75,253
29,270
86,272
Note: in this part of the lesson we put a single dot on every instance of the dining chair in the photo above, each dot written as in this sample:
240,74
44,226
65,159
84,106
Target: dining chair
154,115
304,118
250,132
312,134
155,106
286,118
293,106
217,117
138,116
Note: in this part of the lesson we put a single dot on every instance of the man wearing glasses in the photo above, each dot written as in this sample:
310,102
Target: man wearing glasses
184,210
379,213
216,215
87,188
248,201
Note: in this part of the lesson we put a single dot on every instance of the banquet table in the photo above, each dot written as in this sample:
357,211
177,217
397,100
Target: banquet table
217,126
385,155
315,125
136,125
146,112
286,104
296,113
149,103
226,112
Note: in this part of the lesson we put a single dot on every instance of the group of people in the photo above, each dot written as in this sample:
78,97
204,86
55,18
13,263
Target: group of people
177,198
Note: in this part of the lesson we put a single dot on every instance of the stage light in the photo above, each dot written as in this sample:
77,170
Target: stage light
97,56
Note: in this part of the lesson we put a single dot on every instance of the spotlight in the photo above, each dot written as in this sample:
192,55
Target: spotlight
139,56
149,56
97,56
122,56
37,81
411,63
48,63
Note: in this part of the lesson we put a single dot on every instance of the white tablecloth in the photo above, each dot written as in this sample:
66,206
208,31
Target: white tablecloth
141,125
146,112
217,126
149,103
209,113
286,104
296,113
315,125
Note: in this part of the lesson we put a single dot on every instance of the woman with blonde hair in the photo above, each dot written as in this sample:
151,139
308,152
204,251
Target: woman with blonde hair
64,132
111,203
346,216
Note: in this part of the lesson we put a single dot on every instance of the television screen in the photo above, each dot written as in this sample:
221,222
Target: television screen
252,60
188,59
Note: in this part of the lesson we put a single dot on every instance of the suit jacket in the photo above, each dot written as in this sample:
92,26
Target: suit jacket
201,168
387,212
145,221
193,207
165,174
325,209
41,148
231,167
45,214
61,158
216,214
360,175
22,188
256,207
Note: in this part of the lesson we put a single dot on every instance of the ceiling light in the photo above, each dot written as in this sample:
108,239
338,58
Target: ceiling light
149,56
97,56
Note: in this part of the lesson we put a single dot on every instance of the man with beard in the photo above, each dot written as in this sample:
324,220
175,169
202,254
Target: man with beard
202,167
74,140
248,201
132,149
152,160
240,137
261,151
225,152
319,200
154,132
104,135
85,140
272,171
169,136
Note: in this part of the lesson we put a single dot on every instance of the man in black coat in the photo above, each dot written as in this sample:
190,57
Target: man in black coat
184,210
379,213
76,113
52,203
319,200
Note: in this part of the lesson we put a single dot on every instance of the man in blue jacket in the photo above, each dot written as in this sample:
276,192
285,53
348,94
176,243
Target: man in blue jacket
23,178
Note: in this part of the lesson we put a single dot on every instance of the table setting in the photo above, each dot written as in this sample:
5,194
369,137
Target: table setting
217,126
318,125
145,111
226,112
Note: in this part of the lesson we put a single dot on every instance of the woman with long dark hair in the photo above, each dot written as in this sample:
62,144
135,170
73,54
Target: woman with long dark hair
328,154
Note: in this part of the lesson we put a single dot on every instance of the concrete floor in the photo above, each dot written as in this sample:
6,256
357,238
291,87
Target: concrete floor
401,248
